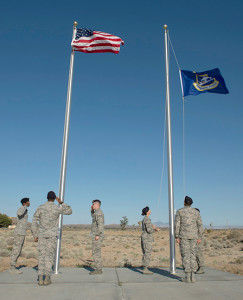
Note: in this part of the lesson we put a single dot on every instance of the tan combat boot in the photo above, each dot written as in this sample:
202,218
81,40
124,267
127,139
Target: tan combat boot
187,278
146,271
40,280
14,270
47,280
193,280
96,272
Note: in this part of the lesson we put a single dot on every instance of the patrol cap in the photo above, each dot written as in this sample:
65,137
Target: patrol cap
25,200
145,210
188,200
96,200
51,195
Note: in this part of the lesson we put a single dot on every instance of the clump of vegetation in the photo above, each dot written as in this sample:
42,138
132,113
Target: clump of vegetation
234,235
4,252
123,223
5,221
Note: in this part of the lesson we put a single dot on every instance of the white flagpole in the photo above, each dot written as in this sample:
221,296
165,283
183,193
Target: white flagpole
64,153
169,159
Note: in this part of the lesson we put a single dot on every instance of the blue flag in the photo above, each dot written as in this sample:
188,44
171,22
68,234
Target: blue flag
194,83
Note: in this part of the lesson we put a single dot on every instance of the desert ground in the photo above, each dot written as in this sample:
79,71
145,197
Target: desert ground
223,249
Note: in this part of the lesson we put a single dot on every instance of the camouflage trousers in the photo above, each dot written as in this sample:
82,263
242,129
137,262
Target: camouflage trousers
188,255
146,246
199,255
96,252
46,249
17,248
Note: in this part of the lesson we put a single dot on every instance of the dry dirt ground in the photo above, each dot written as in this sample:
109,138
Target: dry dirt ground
223,249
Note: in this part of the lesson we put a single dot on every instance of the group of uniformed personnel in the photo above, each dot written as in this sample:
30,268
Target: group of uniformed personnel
45,231
188,233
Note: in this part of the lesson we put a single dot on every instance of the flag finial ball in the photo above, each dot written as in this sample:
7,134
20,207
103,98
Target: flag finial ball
165,26
75,23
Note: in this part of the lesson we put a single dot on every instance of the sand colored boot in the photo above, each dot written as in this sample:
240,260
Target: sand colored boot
187,278
47,280
193,280
14,270
200,270
40,280
96,272
146,271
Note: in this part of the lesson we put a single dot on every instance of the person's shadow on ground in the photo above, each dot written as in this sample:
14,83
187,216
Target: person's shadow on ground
157,271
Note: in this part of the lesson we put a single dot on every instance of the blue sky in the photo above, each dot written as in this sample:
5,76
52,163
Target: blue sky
118,101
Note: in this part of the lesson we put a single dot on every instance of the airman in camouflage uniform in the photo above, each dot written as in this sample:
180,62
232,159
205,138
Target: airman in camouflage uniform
19,234
97,233
188,232
199,255
45,231
147,239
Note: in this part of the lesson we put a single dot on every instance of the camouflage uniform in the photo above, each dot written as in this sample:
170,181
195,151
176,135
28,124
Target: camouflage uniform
45,227
147,240
97,229
199,254
189,228
19,234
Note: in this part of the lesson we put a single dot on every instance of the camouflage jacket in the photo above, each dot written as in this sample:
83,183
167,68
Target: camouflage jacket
98,221
188,223
22,216
147,228
45,219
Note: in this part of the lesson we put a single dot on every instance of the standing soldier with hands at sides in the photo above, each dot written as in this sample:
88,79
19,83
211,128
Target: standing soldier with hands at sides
45,231
147,239
97,233
19,234
188,232
199,255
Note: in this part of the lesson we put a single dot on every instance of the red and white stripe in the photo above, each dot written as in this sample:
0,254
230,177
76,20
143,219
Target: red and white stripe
98,42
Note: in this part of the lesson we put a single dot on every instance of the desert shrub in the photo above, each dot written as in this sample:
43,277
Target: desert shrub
4,252
239,260
10,241
3,245
77,243
89,247
217,245
31,254
234,235
228,244
123,223
23,253
29,239
5,221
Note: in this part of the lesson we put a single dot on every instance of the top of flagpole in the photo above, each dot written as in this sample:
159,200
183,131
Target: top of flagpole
165,27
75,23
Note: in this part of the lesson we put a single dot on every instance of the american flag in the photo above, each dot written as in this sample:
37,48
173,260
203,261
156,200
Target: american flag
91,41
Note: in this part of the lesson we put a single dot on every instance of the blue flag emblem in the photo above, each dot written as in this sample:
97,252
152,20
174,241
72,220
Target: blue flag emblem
194,83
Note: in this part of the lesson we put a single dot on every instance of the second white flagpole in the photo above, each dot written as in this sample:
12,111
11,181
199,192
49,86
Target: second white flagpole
169,158
64,154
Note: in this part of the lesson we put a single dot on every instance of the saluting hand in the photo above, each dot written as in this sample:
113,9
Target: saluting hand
59,200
